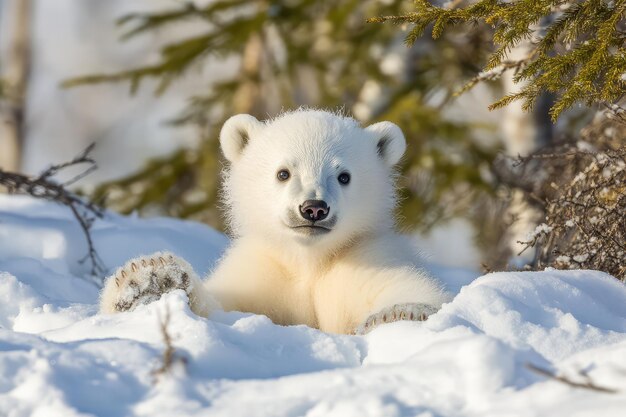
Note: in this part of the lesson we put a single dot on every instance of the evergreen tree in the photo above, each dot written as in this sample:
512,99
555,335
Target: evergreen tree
317,53
577,48
575,51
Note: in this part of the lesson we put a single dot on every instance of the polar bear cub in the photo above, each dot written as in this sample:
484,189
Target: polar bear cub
310,198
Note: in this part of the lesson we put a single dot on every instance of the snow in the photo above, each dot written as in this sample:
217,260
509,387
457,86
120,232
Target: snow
59,357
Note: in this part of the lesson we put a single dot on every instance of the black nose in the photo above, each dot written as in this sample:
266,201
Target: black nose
314,210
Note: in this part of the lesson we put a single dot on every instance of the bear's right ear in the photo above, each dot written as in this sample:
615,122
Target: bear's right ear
236,133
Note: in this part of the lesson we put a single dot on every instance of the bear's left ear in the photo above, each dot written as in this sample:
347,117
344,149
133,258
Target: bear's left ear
236,133
390,142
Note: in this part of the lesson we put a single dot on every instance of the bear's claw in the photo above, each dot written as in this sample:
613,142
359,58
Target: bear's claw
408,311
143,280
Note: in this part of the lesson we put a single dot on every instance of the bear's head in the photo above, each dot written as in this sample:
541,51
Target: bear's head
310,177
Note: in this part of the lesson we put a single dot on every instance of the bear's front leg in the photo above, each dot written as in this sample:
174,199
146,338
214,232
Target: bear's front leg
398,312
144,279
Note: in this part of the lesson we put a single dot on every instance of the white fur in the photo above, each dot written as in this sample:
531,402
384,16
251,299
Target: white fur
332,281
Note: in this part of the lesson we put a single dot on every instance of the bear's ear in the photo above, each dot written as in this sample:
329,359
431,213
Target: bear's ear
236,133
390,142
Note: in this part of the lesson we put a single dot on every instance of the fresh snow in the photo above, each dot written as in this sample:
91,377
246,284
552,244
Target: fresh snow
59,357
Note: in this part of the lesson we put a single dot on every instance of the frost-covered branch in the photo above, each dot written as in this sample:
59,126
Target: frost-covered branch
582,187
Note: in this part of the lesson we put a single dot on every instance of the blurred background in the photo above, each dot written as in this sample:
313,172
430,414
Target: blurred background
151,82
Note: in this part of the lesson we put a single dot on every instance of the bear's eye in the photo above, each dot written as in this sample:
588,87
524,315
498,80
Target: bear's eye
344,178
283,175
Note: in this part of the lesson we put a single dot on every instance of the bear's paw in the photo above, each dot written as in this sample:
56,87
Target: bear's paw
398,312
143,280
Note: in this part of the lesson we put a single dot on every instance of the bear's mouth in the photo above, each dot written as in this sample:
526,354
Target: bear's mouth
311,229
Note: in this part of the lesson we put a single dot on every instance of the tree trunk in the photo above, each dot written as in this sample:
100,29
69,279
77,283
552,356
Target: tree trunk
15,74
523,133
248,96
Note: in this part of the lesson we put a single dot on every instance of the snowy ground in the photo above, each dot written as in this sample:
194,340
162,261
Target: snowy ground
58,357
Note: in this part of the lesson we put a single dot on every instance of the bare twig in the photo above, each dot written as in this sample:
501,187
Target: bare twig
169,357
45,187
589,385
615,111
82,158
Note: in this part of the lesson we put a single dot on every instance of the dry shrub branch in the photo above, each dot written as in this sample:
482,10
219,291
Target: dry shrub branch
582,187
45,186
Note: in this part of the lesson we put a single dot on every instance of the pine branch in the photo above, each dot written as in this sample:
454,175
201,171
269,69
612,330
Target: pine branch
179,57
145,22
577,49
494,73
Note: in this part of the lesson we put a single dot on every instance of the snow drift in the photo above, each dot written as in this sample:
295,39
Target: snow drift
58,357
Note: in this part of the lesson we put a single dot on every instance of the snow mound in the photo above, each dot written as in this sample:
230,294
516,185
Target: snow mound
59,357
